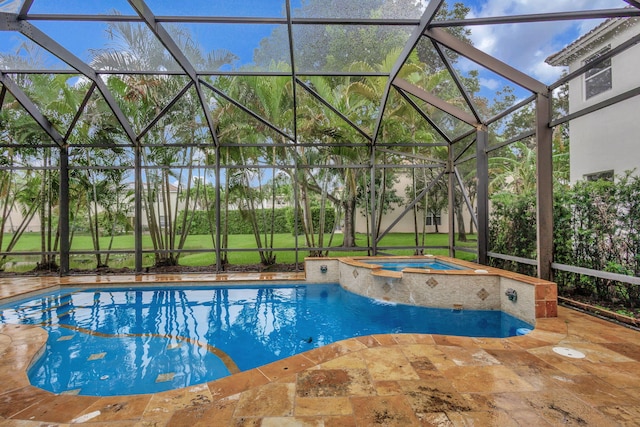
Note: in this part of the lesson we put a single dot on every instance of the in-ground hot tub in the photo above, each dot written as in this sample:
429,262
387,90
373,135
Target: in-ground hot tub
429,264
465,285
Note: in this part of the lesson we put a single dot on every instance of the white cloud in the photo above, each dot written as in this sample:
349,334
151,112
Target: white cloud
491,84
525,46
545,72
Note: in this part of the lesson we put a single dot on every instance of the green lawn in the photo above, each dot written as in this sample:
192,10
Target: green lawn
30,242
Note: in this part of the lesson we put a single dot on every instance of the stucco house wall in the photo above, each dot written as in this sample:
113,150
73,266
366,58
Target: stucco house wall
407,222
607,139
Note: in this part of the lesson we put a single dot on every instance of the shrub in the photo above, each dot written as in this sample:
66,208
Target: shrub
596,226
329,220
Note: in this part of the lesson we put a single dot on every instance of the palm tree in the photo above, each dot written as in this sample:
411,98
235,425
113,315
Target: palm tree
99,193
324,127
12,185
515,171
253,190
58,101
401,123
169,168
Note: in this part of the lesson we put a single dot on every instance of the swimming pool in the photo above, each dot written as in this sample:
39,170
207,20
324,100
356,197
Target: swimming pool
146,340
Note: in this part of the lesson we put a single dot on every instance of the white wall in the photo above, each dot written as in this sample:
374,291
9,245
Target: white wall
15,219
607,139
407,223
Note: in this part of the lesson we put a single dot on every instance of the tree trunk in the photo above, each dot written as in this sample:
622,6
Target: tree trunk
462,235
41,211
7,206
416,229
349,222
224,234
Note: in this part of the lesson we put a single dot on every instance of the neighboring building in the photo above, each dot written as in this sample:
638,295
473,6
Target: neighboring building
173,201
431,222
15,220
16,217
605,142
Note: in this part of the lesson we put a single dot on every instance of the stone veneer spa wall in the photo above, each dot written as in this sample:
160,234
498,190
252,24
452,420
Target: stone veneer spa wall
476,288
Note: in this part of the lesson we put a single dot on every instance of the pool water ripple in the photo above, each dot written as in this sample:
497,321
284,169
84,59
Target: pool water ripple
224,357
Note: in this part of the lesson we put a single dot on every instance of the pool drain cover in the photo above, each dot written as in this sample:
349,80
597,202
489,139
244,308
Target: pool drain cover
569,352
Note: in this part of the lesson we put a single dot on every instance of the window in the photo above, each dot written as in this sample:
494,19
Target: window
598,78
432,219
604,175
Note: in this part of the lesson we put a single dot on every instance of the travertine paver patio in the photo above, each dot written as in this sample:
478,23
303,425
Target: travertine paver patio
391,380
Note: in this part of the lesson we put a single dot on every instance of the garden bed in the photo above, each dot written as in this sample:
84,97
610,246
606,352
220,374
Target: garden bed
608,310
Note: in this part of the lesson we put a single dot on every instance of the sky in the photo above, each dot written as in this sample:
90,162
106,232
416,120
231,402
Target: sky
526,46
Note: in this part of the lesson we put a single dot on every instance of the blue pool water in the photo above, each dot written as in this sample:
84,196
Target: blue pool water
430,264
146,340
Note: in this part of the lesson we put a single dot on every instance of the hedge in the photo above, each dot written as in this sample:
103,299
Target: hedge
596,225
283,221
